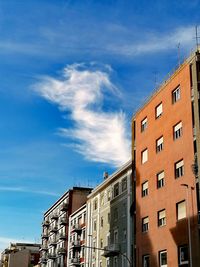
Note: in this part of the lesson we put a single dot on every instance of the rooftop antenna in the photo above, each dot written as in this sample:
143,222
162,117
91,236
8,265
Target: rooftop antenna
179,54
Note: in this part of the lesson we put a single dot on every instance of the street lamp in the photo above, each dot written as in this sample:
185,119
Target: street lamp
188,218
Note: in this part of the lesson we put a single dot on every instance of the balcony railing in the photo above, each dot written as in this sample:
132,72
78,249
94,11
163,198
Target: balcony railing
43,259
64,207
53,242
45,235
76,244
54,229
111,250
76,228
61,251
44,247
45,223
52,255
75,261
62,236
54,216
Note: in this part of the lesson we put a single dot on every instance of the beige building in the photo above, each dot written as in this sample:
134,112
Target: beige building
54,248
110,226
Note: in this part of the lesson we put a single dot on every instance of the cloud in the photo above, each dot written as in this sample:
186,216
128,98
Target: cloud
99,135
26,190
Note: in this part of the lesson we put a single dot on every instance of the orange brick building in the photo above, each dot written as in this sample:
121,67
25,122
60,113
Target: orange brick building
166,156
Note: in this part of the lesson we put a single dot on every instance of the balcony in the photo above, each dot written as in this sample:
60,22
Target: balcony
44,247
111,250
43,259
62,236
76,228
64,207
54,229
76,244
63,221
52,256
45,223
61,251
53,242
54,216
75,261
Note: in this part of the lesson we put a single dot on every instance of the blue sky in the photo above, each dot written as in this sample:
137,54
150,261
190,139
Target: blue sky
72,73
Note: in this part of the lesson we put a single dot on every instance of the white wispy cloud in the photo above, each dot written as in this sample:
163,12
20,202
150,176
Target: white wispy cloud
99,135
27,190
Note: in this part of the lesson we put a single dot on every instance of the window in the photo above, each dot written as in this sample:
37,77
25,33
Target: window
115,237
107,262
100,264
176,94
115,262
101,243
101,221
108,217
124,184
145,224
183,255
179,168
181,210
108,195
145,261
144,156
160,179
95,204
177,129
159,111
159,144
161,218
95,225
145,189
163,258
116,189
143,124
124,234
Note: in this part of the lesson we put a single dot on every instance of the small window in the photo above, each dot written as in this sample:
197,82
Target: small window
115,214
143,124
101,221
108,195
163,258
107,262
124,184
159,144
100,264
159,111
95,225
101,243
145,261
176,94
95,204
115,237
160,179
183,255
144,156
177,129
108,217
179,168
145,224
161,218
115,262
145,187
116,189
181,210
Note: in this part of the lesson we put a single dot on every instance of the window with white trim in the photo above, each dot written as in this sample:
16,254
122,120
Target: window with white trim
176,94
161,217
181,210
115,262
177,129
163,258
107,262
159,110
124,184
160,179
183,255
159,144
143,124
145,224
145,261
144,156
116,189
145,189
179,168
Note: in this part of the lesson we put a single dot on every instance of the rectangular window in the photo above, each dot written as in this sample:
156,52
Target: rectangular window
115,237
177,129
145,188
144,156
159,111
161,218
145,224
159,144
179,168
124,184
176,94
108,217
116,189
115,262
183,255
163,258
95,225
108,195
181,210
160,179
101,221
107,262
145,261
143,124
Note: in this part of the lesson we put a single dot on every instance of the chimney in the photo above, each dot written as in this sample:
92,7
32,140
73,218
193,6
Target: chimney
105,175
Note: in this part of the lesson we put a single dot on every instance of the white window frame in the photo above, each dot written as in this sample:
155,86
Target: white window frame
144,155
159,110
161,218
160,258
144,257
145,189
144,124
176,94
145,224
159,144
160,179
178,130
179,168
183,262
181,210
